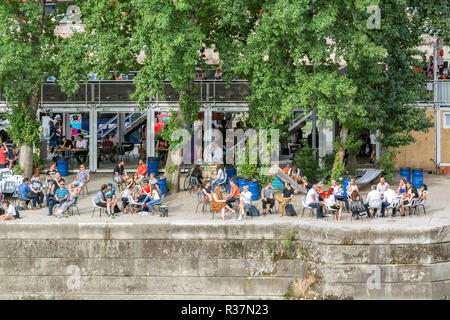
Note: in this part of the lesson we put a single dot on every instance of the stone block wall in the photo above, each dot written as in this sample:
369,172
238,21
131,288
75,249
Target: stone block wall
221,261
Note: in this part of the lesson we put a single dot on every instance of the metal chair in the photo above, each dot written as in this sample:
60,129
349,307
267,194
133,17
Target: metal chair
95,206
222,185
375,204
199,196
394,204
421,204
306,207
412,205
18,196
358,210
70,209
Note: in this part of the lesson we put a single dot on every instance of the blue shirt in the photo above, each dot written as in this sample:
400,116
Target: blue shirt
61,193
24,189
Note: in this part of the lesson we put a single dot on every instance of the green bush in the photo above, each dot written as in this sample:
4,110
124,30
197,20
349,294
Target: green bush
388,162
309,166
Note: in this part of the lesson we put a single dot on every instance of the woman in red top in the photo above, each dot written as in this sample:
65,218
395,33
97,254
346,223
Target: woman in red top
3,152
234,194
142,169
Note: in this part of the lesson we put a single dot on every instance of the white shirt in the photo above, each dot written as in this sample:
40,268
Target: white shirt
389,195
373,139
220,175
309,199
381,188
331,200
114,140
373,195
155,195
335,189
246,197
11,210
81,144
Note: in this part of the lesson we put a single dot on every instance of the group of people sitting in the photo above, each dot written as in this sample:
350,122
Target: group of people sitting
381,196
58,193
138,188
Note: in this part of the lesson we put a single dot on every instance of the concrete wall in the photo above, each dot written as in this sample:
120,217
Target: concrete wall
216,260
418,154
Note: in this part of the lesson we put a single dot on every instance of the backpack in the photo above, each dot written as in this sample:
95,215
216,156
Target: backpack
17,216
252,211
290,211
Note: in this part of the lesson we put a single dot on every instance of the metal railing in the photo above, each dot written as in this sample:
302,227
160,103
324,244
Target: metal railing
115,92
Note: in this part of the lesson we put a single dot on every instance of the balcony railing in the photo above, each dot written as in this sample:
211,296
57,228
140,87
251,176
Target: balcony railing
116,92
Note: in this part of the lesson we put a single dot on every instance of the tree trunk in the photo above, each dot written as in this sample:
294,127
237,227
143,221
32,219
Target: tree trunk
177,154
26,150
26,160
343,135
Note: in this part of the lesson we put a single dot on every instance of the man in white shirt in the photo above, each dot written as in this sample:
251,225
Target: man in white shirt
381,187
81,144
389,196
373,198
114,139
312,200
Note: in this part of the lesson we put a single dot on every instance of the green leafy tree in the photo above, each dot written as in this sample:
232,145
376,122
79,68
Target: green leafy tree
28,52
294,58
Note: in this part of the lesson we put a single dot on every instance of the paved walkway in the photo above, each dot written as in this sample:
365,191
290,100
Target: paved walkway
182,209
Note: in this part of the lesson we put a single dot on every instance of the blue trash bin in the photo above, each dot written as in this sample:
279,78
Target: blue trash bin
241,184
63,167
162,181
253,187
152,164
405,173
417,177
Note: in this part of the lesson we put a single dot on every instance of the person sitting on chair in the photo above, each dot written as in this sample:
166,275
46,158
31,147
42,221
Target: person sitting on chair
61,195
246,201
220,177
26,194
305,183
218,204
119,173
152,179
388,197
142,169
373,197
423,192
81,153
411,194
66,144
83,177
312,200
127,193
330,200
338,192
267,197
206,190
286,196
234,193
101,201
74,193
154,198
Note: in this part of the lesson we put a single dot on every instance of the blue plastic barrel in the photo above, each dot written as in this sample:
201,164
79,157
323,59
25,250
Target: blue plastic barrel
63,167
417,177
253,187
345,183
152,164
231,172
405,173
162,181
241,184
